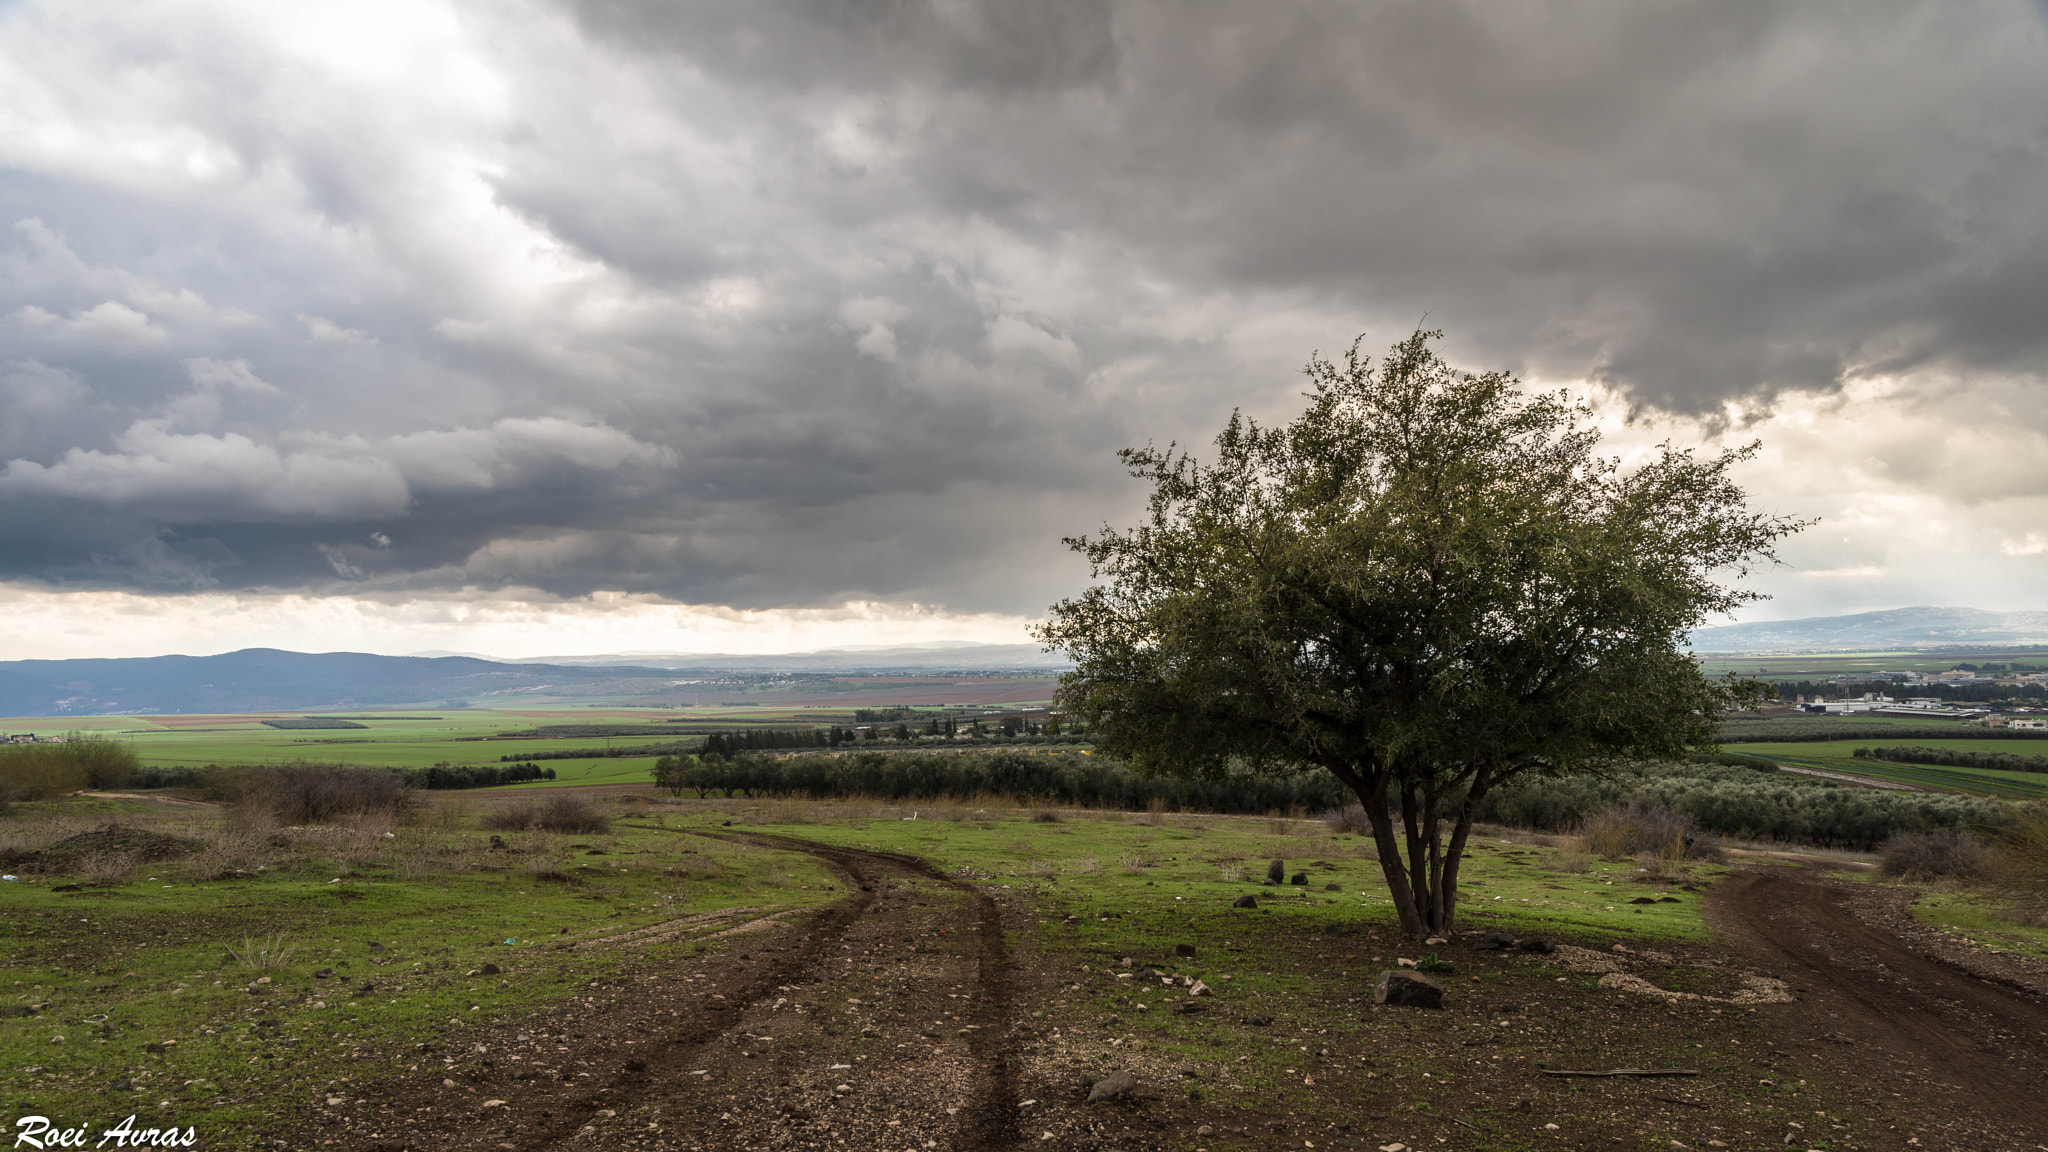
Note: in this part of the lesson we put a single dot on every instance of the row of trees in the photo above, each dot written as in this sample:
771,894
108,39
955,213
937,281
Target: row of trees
1742,802
1955,758
1067,779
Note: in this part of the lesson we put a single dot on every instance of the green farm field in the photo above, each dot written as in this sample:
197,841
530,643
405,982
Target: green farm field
1840,663
1836,757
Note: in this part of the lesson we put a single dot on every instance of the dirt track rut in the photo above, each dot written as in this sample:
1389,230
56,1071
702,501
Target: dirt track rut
1889,1015
882,1021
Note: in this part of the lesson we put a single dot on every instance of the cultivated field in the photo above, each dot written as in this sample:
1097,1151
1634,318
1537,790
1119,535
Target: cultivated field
1836,757
725,975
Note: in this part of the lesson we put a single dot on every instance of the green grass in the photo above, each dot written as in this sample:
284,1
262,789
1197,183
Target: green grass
1837,758
1837,663
1979,919
1172,878
140,981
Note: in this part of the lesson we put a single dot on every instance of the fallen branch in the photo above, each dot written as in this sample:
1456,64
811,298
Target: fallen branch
1622,1072
1676,1100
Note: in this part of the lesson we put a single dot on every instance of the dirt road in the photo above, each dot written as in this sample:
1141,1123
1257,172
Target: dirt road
879,1022
1902,1025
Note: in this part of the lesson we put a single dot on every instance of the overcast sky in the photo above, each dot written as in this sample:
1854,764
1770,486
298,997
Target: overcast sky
540,329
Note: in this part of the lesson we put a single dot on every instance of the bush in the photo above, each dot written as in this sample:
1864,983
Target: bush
1948,852
308,793
41,771
1624,831
560,812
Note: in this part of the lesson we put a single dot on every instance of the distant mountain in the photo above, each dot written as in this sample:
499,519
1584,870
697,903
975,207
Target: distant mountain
1897,628
951,657
271,680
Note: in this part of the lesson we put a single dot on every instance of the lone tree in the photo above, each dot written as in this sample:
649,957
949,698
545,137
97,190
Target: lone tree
1428,585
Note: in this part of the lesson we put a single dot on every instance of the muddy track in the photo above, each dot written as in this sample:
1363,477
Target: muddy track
833,1029
1885,1006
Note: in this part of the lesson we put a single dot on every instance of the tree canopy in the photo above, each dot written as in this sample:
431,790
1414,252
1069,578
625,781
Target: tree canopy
1427,584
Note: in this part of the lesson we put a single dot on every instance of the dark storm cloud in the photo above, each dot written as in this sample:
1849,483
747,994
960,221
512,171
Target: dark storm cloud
784,303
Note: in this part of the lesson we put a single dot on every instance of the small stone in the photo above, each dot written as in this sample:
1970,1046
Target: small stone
490,970
1624,949
1299,878
1550,1127
447,1083
1113,1085
1245,901
1187,950
1200,989
1205,1130
1650,900
1276,872
1542,944
323,973
1393,1148
1408,989
1333,887
1404,962
1434,940
492,1104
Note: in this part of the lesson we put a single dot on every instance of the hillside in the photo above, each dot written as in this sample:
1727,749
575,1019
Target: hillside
1920,627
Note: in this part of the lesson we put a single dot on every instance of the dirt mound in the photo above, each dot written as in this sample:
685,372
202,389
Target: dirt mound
138,844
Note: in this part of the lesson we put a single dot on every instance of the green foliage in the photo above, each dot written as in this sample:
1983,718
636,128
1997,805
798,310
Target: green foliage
1742,803
80,761
1955,758
764,739
452,776
1427,584
1093,781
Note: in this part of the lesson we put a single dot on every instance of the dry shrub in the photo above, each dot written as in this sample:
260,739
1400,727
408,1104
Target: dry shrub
2021,853
560,812
1155,811
1622,832
1944,853
261,952
1044,816
1569,857
1349,819
105,869
307,793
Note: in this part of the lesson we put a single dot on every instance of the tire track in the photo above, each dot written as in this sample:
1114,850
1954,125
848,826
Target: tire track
993,1122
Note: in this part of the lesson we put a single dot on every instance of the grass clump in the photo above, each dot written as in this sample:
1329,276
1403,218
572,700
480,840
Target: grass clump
264,953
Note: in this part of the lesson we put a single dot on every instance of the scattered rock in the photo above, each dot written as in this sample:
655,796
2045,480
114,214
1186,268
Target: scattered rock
492,1104
1199,989
1672,900
1187,950
1494,942
323,974
1408,990
489,970
1258,1021
1276,871
1246,901
1299,878
1333,887
1113,1085
1536,944
1404,962
1624,949
1644,900
1436,940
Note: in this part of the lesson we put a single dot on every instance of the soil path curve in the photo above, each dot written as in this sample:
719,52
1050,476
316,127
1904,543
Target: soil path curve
1882,1010
882,1021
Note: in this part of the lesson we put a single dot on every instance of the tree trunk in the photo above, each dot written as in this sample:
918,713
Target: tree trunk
1372,796
1425,889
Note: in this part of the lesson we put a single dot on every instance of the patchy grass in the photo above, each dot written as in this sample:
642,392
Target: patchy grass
212,988
1983,920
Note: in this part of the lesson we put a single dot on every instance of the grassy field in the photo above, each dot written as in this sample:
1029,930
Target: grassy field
270,961
267,964
1837,758
1824,664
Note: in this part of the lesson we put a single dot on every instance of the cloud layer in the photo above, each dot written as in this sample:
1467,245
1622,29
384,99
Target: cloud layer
793,304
